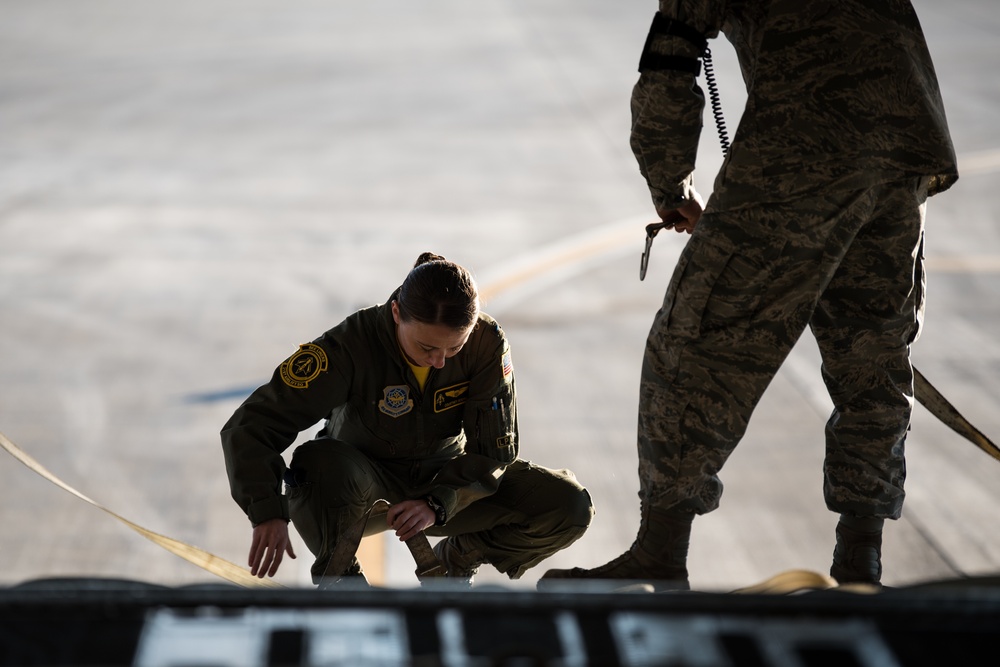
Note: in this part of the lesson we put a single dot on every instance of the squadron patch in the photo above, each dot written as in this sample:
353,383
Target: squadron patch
451,397
396,401
304,366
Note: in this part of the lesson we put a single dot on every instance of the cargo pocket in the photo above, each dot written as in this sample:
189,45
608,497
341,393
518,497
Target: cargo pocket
716,291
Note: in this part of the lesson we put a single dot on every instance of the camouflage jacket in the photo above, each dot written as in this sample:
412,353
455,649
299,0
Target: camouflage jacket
460,431
840,94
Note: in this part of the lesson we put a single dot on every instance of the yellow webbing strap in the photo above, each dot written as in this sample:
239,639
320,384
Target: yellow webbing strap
211,563
797,581
938,405
790,581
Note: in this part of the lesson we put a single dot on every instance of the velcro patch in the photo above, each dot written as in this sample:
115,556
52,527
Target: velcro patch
451,397
304,366
507,366
396,400
506,442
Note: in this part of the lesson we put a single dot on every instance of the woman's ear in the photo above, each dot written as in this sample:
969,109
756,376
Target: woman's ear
395,311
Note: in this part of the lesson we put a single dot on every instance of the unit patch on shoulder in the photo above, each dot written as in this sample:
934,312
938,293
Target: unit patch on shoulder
451,397
507,366
396,401
304,366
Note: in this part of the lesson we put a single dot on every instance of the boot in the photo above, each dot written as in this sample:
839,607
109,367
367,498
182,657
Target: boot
658,556
857,557
462,564
352,577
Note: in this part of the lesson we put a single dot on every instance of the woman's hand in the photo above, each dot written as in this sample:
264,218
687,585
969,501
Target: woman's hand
270,542
409,517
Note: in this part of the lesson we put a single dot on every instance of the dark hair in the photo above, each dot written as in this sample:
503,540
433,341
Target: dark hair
437,291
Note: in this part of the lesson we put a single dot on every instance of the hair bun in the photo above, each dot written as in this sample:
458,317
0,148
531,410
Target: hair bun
426,257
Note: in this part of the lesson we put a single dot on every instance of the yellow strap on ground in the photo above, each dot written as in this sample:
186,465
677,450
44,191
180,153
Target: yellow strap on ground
211,563
798,581
791,581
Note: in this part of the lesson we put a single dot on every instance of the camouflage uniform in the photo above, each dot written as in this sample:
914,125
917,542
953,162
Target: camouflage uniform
816,219
455,441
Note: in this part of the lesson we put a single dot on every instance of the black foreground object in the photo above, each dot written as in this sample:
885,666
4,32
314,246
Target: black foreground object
117,622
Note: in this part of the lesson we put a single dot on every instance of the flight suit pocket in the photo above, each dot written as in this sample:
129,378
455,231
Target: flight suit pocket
495,427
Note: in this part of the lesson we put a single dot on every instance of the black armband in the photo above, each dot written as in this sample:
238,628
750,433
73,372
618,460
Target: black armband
666,26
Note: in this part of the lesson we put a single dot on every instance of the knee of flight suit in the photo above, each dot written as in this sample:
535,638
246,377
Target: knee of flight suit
575,518
566,501
579,508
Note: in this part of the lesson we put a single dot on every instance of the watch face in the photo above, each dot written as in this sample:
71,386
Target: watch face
438,510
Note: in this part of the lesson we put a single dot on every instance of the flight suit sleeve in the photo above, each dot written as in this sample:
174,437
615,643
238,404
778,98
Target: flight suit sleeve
490,423
302,391
667,103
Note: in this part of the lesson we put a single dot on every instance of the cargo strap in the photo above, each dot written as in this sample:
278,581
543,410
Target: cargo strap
203,559
347,545
939,406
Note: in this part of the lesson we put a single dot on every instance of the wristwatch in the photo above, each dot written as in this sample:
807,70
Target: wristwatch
439,515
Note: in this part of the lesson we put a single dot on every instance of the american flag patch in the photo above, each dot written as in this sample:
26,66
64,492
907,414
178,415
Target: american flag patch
505,362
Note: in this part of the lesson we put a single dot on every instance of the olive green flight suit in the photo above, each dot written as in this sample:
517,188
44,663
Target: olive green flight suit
383,437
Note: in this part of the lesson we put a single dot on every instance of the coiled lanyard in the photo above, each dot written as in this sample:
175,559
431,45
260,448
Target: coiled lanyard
653,61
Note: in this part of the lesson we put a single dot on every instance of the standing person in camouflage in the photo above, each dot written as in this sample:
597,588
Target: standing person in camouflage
419,402
816,219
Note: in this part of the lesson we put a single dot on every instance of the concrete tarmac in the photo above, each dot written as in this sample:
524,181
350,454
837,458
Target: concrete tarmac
189,190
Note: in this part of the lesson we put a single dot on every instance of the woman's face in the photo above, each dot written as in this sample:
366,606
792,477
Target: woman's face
428,344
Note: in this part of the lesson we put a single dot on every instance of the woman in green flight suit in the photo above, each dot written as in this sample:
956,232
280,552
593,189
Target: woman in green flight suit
419,405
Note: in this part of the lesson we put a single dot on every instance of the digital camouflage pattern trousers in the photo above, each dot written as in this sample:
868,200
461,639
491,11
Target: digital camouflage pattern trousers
847,264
